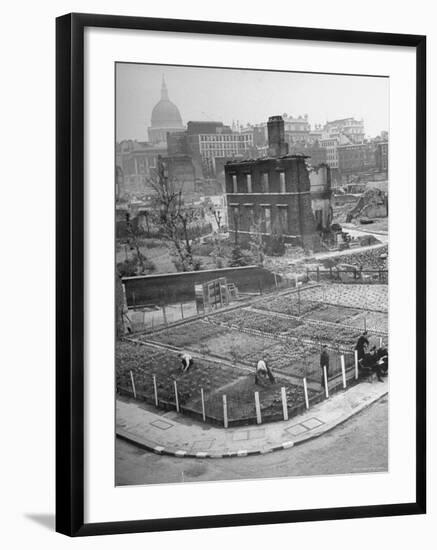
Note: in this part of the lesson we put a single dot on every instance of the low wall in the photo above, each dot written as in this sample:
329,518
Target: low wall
179,287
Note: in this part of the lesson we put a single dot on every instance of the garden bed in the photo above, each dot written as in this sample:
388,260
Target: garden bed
145,361
254,320
369,297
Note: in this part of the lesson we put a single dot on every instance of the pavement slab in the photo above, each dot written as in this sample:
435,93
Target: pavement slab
183,437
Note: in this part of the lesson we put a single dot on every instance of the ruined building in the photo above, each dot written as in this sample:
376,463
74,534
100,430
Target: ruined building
275,196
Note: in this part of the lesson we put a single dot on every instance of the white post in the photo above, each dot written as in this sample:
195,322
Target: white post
343,371
203,404
144,318
284,403
356,364
305,391
276,280
325,376
155,390
176,395
182,310
380,341
365,324
225,412
257,408
133,384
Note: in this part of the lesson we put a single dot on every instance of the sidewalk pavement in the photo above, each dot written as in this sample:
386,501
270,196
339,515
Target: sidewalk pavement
177,435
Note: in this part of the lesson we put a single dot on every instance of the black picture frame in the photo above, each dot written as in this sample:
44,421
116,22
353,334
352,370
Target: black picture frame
70,273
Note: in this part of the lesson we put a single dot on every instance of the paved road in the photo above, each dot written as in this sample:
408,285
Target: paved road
359,445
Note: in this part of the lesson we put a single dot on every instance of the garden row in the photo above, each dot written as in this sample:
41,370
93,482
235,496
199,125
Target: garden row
318,298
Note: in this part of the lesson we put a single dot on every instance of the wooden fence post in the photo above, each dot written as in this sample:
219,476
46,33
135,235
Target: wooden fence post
305,391
276,280
164,314
318,273
155,390
356,364
182,310
257,408
325,377
225,412
203,404
133,384
343,371
176,395
284,403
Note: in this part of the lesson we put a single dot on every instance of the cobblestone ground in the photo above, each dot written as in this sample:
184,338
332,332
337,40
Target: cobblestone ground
359,445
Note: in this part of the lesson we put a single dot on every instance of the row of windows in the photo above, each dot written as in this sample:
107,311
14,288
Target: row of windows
223,147
226,137
247,220
265,183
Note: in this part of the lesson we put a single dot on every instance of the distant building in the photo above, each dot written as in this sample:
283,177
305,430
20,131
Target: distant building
274,194
356,157
207,140
330,144
165,118
136,159
296,129
350,127
316,153
381,156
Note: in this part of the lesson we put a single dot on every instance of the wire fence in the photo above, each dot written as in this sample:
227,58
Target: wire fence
241,401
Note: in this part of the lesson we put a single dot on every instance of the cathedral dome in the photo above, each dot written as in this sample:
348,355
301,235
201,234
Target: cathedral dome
165,114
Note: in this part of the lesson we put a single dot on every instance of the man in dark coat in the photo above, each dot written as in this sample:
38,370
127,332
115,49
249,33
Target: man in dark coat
324,362
362,343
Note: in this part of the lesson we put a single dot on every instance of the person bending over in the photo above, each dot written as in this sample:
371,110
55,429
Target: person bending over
262,370
186,360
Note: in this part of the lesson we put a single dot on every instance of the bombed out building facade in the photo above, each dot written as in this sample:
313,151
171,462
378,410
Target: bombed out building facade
279,195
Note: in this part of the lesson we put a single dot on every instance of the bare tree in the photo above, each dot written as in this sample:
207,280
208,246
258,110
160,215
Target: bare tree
133,238
174,218
208,205
256,241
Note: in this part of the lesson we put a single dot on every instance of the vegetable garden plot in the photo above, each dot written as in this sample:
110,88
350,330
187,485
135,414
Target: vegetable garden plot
241,399
144,362
370,297
247,318
299,359
374,321
332,314
233,345
185,334
289,304
328,334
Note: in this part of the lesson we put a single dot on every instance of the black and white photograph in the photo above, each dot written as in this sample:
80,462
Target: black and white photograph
251,273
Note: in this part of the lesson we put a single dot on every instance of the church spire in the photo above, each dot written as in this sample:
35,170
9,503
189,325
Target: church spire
164,93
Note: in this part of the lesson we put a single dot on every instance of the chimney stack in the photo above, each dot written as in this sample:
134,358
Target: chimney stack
275,129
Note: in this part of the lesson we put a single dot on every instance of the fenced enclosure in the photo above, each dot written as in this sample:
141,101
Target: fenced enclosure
216,392
286,328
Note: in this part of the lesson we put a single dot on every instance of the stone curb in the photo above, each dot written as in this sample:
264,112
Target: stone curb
178,453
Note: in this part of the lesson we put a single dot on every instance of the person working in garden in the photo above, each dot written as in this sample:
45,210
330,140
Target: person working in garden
362,344
262,370
186,360
324,362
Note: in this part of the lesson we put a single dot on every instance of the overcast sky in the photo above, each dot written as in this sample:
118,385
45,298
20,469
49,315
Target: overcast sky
247,96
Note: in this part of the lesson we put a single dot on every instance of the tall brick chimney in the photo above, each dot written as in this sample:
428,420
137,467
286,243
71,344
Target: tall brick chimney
275,130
